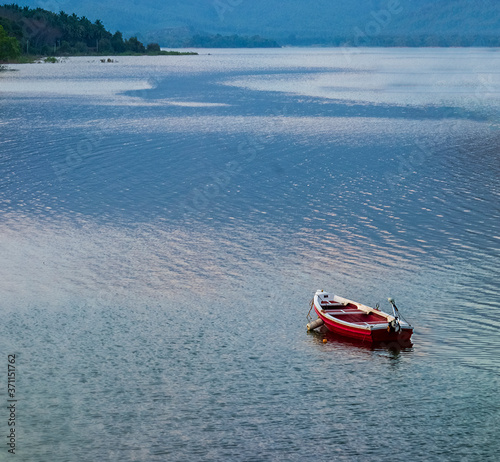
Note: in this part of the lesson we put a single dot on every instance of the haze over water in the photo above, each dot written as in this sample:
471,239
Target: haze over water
165,222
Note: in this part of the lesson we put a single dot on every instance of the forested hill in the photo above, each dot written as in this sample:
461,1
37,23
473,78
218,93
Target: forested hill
41,32
299,22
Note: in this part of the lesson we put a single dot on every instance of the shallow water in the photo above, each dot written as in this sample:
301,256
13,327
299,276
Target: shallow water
165,222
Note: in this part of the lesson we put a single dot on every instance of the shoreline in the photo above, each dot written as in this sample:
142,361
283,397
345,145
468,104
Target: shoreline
31,59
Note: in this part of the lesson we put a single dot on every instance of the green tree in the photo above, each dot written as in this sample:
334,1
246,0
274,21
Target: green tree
105,46
117,42
134,45
11,28
100,31
9,46
81,47
153,48
64,48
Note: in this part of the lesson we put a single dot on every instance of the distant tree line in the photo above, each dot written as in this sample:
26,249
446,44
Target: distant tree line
230,41
422,40
41,32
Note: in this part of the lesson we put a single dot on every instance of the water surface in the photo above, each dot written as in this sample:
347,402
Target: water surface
166,220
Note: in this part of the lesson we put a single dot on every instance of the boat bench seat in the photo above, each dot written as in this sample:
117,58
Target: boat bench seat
343,311
332,304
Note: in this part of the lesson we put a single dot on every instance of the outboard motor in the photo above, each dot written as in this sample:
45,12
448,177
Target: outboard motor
394,325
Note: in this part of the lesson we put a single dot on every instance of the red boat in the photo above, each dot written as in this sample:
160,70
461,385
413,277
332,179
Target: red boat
352,319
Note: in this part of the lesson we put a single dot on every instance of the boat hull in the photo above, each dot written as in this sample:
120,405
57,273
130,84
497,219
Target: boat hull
379,335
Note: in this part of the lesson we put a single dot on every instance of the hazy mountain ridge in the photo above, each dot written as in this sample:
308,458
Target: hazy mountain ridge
298,21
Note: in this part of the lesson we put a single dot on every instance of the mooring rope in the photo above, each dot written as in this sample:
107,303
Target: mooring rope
311,307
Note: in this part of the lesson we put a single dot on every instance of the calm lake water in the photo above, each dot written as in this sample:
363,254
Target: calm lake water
165,222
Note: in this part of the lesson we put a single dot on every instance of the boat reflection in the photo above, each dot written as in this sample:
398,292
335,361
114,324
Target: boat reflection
323,335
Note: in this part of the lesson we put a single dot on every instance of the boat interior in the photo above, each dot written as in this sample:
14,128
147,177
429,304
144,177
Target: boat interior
349,313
